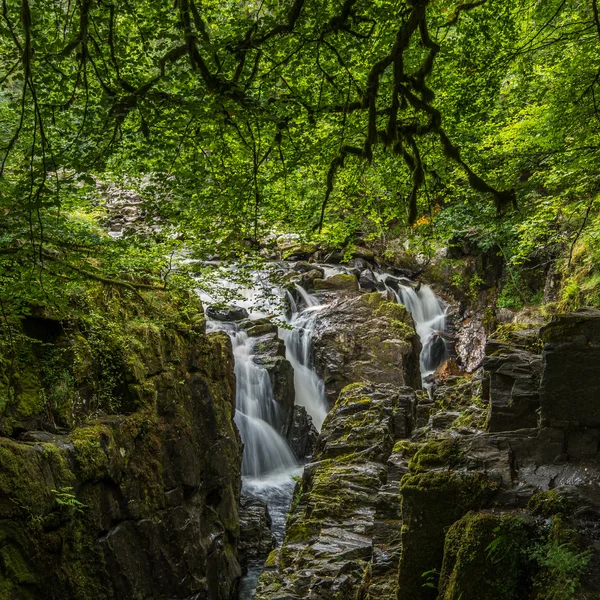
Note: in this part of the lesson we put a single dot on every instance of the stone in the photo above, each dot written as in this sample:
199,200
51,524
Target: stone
226,313
367,280
303,266
256,539
365,338
258,327
340,281
514,379
302,434
359,264
569,388
345,516
139,496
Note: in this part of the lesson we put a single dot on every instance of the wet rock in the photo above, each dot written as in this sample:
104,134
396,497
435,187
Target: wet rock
443,420
569,389
344,519
302,435
365,338
337,282
367,280
303,266
256,538
434,352
269,353
258,327
137,503
359,264
514,378
226,313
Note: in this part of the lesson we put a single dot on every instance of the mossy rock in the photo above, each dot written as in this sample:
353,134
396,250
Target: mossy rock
486,558
340,281
431,502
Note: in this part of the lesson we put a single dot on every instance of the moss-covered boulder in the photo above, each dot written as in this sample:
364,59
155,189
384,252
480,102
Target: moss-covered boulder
132,489
366,338
344,521
339,282
486,557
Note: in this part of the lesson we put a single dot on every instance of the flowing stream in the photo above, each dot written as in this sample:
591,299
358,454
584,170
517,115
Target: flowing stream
268,465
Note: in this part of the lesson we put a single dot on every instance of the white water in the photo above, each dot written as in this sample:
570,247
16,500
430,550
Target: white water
429,316
257,414
310,390
268,464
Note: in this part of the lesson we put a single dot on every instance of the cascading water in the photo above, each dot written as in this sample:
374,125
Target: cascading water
257,413
310,390
268,464
429,316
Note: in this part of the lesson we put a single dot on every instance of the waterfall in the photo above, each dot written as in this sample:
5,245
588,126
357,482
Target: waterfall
310,390
429,315
257,413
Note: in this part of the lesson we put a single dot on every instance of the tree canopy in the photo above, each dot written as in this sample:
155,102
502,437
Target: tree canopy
425,118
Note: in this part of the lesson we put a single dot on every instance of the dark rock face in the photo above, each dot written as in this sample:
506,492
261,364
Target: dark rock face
270,355
569,390
256,538
345,518
138,505
514,380
227,313
365,338
302,435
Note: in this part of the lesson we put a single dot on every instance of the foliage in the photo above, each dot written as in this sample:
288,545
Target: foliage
233,122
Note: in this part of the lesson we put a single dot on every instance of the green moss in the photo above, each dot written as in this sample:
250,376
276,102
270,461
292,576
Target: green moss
433,454
340,281
486,557
431,502
91,445
547,504
271,561
24,493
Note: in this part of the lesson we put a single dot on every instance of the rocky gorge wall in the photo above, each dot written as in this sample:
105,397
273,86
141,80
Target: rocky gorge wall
490,488
119,458
120,462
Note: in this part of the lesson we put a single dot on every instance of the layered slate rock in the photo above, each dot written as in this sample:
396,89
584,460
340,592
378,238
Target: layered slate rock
514,369
569,389
344,519
137,496
366,337
256,539
489,511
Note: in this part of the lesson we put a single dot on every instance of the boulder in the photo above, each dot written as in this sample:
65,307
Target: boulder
360,264
303,266
256,538
340,282
367,280
302,434
226,313
365,338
